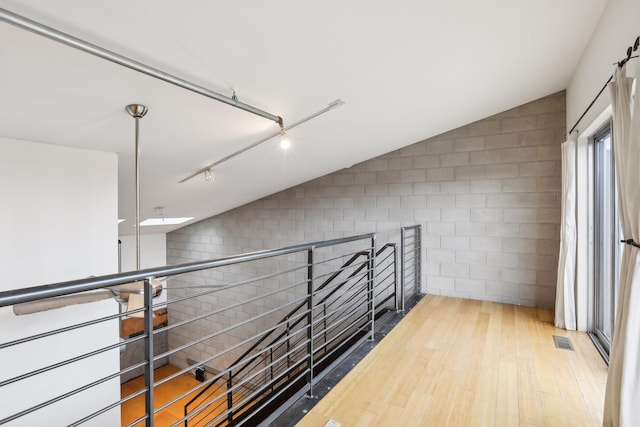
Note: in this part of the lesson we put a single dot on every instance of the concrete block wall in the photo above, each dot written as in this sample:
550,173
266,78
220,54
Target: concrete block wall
487,195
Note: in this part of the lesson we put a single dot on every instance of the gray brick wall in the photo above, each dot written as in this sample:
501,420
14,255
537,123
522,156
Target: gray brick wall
487,194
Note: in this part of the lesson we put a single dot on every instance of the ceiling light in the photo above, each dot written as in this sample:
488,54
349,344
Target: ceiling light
164,221
332,106
209,175
284,140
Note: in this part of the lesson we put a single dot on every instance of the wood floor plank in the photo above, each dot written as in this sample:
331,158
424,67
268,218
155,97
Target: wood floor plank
452,362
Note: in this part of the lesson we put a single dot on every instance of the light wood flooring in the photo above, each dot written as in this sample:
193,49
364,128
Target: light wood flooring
455,362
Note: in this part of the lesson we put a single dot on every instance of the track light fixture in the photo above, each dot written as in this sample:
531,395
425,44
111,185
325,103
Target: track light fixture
282,132
284,140
209,175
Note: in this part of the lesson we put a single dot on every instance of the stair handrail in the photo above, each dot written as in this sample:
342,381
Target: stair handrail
291,313
326,283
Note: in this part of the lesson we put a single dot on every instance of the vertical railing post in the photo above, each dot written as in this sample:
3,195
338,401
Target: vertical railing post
288,350
371,287
418,259
310,321
148,351
402,260
229,399
396,291
271,366
324,325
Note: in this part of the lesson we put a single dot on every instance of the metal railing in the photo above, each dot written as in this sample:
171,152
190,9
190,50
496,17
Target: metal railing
341,315
410,261
264,325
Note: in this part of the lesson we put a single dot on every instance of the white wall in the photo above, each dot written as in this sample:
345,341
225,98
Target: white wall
153,251
58,221
618,28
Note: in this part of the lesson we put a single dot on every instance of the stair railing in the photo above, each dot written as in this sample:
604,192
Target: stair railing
345,289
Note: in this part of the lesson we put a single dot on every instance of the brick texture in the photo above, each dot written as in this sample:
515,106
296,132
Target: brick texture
487,195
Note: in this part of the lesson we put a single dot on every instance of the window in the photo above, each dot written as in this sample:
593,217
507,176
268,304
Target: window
607,234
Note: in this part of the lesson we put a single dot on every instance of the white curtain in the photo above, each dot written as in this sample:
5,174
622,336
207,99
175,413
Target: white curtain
622,398
566,284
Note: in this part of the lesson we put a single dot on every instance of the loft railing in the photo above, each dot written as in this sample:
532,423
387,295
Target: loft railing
217,310
272,365
410,262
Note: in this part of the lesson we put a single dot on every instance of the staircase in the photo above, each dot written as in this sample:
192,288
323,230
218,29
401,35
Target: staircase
317,332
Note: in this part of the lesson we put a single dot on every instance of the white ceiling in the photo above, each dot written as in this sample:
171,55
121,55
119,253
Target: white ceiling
407,70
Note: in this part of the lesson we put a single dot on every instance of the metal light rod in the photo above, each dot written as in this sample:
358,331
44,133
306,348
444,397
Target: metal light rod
137,111
66,39
333,105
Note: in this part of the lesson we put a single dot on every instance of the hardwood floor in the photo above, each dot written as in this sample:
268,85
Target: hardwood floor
134,408
455,362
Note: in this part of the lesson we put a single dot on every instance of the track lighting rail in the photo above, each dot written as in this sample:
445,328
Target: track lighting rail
208,170
74,42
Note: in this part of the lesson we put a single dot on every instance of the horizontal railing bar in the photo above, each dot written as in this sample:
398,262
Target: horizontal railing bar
302,315
18,296
362,281
321,288
333,350
339,270
325,346
385,268
360,275
384,278
353,294
409,259
142,418
115,404
275,396
254,374
337,320
362,251
379,304
409,275
382,260
222,373
60,330
64,362
203,417
230,328
97,413
350,306
232,389
59,398
185,394
248,397
228,307
260,357
218,288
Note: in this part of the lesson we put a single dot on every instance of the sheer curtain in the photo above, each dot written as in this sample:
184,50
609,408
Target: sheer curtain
565,287
622,398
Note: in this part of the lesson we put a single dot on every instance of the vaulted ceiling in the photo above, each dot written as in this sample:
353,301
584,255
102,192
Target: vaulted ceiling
407,70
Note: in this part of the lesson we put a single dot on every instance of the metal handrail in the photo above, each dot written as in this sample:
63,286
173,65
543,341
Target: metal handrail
294,365
291,313
416,243
325,284
19,296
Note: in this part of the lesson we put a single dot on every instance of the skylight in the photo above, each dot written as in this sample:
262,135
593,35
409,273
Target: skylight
164,221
